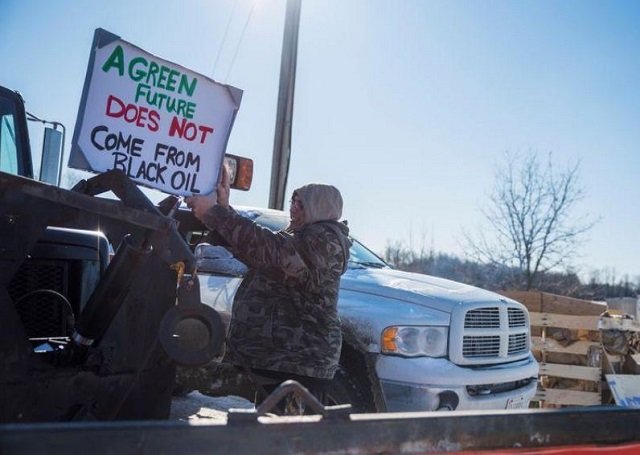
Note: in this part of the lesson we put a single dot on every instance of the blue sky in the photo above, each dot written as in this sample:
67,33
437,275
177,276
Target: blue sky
406,106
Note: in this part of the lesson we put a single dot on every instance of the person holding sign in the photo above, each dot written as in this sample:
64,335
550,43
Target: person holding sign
284,322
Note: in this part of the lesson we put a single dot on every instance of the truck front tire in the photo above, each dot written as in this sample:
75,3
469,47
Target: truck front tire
349,388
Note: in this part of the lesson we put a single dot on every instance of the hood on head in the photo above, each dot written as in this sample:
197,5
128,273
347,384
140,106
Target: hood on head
320,202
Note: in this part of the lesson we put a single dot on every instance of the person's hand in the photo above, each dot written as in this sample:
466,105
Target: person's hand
200,205
223,188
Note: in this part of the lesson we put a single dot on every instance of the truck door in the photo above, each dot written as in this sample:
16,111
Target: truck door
15,152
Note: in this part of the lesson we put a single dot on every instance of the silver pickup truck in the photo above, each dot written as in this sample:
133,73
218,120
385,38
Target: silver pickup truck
411,342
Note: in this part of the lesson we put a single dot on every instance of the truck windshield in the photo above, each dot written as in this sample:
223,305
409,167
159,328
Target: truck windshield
361,256
8,146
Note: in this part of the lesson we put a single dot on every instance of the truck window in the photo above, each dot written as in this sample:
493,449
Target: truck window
361,255
8,147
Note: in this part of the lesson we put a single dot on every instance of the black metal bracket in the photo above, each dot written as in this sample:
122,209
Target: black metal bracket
289,387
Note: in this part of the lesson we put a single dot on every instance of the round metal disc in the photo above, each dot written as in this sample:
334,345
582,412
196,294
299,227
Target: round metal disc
191,335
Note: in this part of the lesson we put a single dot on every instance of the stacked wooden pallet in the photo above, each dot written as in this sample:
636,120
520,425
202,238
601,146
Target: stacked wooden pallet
566,341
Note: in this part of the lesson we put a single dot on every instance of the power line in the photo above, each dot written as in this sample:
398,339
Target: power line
244,29
224,39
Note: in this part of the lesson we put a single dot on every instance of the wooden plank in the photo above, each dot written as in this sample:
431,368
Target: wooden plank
532,300
564,321
571,371
568,397
544,302
552,303
625,389
550,345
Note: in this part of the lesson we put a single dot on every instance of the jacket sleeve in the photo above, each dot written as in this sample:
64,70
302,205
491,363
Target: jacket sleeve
309,259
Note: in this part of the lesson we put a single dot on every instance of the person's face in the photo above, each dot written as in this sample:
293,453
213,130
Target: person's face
296,211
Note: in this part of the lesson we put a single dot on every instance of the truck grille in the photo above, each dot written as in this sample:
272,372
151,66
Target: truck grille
517,317
481,346
518,343
486,334
482,318
41,314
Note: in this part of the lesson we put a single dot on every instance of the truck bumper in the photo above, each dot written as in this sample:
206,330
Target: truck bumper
427,384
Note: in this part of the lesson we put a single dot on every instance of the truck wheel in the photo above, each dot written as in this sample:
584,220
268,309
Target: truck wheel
180,390
347,388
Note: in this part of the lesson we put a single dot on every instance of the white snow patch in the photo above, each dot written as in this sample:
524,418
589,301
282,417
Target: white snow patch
196,406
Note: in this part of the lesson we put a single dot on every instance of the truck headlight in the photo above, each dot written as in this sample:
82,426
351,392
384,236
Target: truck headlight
413,341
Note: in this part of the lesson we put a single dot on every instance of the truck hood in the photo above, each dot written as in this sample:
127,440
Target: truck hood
424,290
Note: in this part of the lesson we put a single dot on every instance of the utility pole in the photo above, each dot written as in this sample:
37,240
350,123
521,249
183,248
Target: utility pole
284,115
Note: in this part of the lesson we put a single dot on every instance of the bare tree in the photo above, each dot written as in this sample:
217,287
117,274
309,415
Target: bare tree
533,228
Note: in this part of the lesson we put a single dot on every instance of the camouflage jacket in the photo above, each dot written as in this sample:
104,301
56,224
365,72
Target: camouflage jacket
284,314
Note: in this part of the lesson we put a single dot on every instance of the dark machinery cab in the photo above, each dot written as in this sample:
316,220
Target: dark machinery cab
79,333
59,273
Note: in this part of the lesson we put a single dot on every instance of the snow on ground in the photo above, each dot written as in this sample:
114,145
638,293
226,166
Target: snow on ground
198,407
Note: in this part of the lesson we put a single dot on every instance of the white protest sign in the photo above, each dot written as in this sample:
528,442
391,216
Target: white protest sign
165,126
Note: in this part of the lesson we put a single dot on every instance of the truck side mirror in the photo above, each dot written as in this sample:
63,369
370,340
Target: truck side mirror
218,260
52,149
